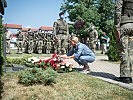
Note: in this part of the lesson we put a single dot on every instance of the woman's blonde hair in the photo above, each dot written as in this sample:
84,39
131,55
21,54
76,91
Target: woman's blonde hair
75,39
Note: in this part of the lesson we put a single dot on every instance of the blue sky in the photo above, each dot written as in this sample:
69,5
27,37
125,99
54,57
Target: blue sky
32,13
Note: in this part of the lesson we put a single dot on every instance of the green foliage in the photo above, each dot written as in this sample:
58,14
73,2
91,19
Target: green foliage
1,54
2,60
76,9
65,69
106,10
71,28
29,64
1,29
50,76
37,76
113,50
81,33
98,12
16,60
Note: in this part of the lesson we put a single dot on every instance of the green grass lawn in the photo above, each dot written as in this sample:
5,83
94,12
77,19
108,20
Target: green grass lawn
14,54
69,86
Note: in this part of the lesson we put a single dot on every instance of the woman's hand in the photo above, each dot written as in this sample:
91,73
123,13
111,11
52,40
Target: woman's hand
64,56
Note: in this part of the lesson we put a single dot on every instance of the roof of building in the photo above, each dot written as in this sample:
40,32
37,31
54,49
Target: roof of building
25,29
46,28
12,26
34,29
18,26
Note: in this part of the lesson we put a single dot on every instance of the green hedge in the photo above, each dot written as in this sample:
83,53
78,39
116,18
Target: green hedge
1,54
113,49
37,76
16,60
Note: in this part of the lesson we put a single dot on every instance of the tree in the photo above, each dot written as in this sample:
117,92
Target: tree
1,54
98,12
106,10
80,9
3,4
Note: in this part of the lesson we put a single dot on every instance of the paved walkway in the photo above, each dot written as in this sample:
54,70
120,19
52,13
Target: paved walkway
103,68
107,71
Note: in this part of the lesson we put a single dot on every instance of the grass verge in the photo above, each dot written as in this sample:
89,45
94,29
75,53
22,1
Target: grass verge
69,86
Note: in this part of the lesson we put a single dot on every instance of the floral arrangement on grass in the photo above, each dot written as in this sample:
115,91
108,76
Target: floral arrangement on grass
30,61
55,62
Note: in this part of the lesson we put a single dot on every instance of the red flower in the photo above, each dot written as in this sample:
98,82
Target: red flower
54,66
57,66
47,60
40,61
54,55
52,62
55,62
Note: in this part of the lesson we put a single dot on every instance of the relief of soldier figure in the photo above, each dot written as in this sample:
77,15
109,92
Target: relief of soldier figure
54,42
29,42
44,47
8,41
92,37
38,41
49,43
19,42
124,34
60,29
35,42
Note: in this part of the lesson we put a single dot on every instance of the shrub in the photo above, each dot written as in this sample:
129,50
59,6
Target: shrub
2,60
1,45
20,60
37,76
113,50
49,77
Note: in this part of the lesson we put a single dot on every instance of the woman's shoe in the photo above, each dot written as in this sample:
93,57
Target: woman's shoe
85,71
